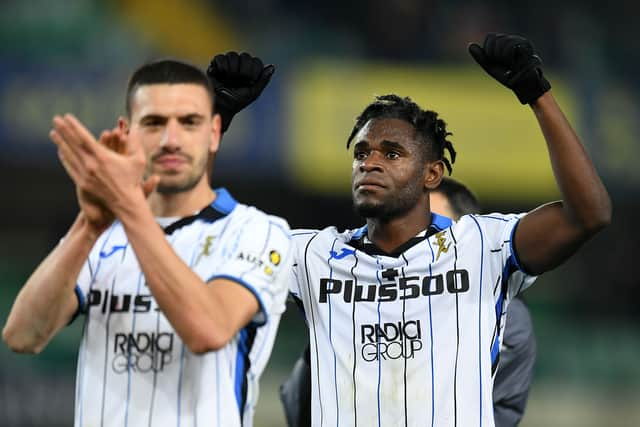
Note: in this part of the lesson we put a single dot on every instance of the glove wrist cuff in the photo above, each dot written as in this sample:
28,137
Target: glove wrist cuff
530,85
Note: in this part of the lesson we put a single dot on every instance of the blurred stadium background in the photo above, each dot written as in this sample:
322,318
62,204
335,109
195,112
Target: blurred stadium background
286,154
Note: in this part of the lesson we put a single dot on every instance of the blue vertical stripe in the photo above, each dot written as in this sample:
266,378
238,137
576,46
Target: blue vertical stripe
509,267
82,356
182,351
335,375
171,241
106,350
381,267
241,353
133,330
480,313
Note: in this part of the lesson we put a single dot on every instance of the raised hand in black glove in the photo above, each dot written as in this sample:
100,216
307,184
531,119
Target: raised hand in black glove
513,61
237,80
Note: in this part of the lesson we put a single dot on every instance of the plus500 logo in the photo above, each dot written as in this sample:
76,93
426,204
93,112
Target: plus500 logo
452,282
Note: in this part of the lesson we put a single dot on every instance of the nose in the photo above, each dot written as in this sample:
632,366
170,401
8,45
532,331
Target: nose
170,138
372,162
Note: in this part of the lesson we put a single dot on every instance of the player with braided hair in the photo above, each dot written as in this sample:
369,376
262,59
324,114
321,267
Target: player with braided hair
406,314
430,130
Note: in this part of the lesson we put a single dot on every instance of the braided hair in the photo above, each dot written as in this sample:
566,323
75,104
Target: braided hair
431,131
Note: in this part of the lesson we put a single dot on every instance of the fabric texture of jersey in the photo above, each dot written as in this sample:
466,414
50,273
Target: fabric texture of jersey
133,368
412,338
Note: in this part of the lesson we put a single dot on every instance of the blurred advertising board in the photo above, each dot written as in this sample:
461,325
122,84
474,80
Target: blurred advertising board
501,151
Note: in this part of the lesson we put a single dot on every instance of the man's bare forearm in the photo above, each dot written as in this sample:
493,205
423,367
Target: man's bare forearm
47,300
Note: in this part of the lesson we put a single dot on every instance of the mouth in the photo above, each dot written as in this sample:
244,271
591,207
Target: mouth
170,161
369,184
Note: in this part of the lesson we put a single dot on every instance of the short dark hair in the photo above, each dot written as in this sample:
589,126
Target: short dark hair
167,71
431,130
461,199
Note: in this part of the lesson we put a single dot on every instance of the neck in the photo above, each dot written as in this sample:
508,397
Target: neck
182,204
388,234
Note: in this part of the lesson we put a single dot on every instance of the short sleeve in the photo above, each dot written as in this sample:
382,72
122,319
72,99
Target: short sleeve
500,230
299,238
259,258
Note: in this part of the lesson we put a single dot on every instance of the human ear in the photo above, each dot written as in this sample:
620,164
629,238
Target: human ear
434,171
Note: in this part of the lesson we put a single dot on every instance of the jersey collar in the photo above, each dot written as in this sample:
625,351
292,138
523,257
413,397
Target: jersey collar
221,207
360,242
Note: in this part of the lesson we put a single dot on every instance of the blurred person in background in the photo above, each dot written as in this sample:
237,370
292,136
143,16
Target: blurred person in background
517,350
181,286
405,314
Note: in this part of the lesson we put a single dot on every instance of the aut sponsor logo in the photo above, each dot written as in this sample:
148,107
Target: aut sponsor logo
142,352
396,288
275,257
107,302
390,340
267,267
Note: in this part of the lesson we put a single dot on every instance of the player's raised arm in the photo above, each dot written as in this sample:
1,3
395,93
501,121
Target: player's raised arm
548,235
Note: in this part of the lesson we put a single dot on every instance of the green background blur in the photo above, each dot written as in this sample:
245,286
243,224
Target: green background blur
286,155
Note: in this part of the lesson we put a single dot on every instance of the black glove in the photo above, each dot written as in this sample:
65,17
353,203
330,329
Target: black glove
513,61
237,80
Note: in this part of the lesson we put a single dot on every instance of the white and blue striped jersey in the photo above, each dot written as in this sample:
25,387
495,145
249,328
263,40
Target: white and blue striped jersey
133,368
410,338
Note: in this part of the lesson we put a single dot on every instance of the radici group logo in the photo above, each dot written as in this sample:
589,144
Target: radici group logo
142,352
390,340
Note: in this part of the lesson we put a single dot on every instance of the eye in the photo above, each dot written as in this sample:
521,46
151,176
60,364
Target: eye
191,121
359,155
393,155
152,122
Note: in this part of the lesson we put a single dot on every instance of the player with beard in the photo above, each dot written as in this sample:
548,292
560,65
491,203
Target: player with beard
182,291
518,346
406,314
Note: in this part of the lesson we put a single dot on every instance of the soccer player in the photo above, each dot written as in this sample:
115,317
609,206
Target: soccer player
406,313
517,354
181,293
